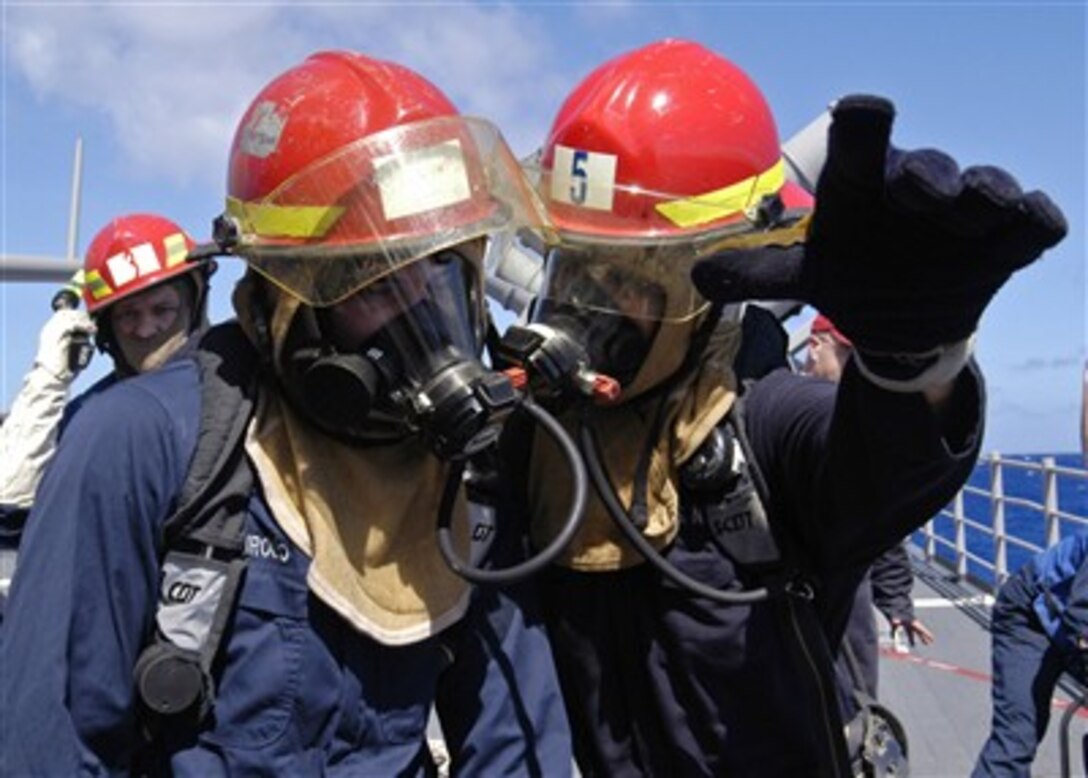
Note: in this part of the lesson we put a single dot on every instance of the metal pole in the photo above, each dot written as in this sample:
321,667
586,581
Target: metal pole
960,526
930,546
997,510
1063,736
73,210
1050,501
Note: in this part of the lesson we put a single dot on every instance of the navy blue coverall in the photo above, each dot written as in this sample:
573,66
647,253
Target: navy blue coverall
1040,613
660,682
299,691
12,517
887,586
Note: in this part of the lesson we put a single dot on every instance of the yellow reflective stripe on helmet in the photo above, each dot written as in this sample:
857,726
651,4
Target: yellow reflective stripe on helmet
176,250
283,221
97,285
733,199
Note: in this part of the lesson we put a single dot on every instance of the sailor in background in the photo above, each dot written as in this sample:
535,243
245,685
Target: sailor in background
28,433
1038,630
146,300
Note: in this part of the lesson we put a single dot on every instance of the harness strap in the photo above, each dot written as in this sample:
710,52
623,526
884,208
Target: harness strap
219,474
203,541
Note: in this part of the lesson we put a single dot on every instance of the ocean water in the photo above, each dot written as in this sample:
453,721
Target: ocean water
1020,521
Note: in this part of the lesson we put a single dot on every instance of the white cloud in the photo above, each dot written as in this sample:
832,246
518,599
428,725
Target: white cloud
171,80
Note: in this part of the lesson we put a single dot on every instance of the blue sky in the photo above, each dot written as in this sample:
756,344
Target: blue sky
155,90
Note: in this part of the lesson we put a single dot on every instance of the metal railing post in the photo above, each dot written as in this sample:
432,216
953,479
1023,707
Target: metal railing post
959,525
1050,502
929,533
997,511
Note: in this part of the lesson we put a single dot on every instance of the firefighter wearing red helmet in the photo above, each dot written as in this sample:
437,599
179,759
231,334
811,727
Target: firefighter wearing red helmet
145,290
369,210
145,300
736,508
362,203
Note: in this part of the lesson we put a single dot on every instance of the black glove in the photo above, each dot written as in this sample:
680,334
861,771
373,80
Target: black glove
904,251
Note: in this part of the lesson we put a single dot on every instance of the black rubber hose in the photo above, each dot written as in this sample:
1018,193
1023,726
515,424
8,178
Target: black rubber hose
535,564
587,441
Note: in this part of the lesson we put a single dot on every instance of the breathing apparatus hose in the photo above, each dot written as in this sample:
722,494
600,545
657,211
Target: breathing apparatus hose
590,449
535,564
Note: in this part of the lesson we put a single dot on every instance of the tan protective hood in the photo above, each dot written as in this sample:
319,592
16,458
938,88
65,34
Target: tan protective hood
365,515
693,410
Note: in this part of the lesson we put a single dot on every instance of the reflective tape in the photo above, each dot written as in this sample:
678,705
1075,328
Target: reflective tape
283,221
176,249
727,201
97,285
789,235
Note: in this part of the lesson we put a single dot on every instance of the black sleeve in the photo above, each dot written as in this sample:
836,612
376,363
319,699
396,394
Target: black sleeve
854,469
892,581
764,344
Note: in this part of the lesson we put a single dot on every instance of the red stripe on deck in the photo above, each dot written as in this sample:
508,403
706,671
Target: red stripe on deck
947,667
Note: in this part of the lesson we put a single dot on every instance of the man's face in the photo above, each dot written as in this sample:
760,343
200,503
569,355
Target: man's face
826,357
356,319
151,326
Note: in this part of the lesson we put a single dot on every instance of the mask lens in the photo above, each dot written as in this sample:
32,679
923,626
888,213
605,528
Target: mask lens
424,309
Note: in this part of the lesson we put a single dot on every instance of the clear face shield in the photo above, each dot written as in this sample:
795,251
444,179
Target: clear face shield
387,278
381,203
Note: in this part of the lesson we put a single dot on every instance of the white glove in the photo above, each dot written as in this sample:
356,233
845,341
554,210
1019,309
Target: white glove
55,339
28,436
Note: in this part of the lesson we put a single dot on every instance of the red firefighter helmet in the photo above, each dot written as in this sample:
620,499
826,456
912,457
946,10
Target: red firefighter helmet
659,157
133,253
663,141
346,167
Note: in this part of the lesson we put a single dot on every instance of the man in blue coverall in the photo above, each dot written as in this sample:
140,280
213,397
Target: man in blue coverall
1039,630
362,203
146,304
663,177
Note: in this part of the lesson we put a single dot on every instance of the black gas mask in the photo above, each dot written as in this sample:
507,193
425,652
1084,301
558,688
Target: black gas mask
591,330
400,357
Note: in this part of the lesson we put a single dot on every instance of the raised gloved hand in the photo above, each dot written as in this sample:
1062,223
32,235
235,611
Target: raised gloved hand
904,251
56,340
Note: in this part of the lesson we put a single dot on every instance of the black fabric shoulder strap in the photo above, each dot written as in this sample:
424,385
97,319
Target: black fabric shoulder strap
203,548
219,475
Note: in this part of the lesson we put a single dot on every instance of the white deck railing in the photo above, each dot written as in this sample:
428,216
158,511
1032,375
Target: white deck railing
1055,522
